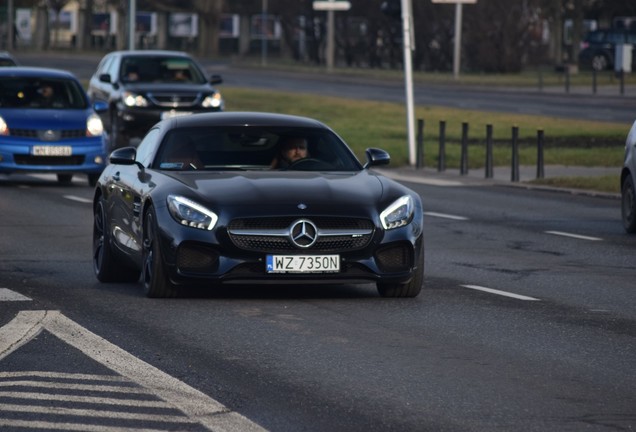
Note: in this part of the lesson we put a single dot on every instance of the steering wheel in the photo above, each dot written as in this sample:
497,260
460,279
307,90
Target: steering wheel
308,164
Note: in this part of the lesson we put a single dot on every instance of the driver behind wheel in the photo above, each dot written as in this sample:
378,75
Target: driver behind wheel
291,149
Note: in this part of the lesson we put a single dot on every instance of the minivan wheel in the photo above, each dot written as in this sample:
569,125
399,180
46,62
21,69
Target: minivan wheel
599,62
628,207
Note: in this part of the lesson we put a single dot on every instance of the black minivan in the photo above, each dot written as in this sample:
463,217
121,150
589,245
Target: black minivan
598,48
145,86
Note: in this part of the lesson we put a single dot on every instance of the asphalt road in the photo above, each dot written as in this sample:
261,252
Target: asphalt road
526,322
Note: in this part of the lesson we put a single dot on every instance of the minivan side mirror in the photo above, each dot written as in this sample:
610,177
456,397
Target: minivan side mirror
105,78
216,79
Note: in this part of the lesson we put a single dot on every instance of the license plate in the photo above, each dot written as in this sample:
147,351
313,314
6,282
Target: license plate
303,263
169,114
52,150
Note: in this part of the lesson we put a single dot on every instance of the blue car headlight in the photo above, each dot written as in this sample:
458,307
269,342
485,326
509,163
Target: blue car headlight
4,129
94,126
398,214
191,214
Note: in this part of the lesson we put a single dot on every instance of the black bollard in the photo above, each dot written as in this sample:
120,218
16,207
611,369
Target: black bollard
463,168
540,163
515,154
441,161
489,168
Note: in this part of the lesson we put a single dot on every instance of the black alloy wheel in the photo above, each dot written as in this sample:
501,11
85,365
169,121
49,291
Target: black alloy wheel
106,265
155,278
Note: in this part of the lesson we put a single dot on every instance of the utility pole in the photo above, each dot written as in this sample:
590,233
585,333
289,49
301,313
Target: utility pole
458,32
132,24
331,6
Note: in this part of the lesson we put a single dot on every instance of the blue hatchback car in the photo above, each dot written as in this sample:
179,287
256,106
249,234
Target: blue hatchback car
47,124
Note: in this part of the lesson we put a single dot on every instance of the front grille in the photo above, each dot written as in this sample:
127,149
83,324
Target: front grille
395,258
175,100
272,235
48,160
35,133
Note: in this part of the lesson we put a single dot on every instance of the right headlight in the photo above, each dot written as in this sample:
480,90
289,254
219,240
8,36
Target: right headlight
213,101
191,214
398,214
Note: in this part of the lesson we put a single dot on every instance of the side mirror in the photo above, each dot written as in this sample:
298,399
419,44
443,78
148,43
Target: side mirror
105,78
376,157
216,79
123,156
100,107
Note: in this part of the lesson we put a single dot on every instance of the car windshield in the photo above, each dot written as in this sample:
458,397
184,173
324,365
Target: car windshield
41,93
254,148
160,69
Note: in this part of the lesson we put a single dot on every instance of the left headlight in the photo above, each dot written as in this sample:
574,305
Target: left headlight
398,214
213,101
4,128
191,214
134,100
94,126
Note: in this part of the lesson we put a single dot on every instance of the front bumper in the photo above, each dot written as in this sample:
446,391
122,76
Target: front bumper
209,257
136,122
87,155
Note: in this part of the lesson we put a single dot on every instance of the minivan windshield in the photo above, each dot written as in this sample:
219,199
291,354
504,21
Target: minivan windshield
160,69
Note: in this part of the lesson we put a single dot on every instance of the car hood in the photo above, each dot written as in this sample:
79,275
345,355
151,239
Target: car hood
45,118
286,193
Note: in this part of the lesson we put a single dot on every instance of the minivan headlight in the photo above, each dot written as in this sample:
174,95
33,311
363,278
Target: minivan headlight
213,101
398,214
191,214
134,100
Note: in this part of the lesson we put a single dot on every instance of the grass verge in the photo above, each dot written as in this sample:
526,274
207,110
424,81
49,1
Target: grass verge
364,124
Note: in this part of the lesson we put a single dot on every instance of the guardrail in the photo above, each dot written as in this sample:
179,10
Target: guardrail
489,168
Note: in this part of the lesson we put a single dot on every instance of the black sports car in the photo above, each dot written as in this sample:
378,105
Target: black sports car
223,198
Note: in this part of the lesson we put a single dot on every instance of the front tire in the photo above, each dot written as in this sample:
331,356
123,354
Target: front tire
409,289
155,278
628,204
106,265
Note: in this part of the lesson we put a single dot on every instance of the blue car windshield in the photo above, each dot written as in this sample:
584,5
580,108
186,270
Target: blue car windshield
41,93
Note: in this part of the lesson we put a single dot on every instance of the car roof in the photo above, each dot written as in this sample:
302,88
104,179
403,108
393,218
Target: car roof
237,118
39,72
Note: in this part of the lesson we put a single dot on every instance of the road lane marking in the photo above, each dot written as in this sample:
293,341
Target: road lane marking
78,199
85,399
30,425
576,236
7,295
196,405
445,216
79,412
501,293
420,180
